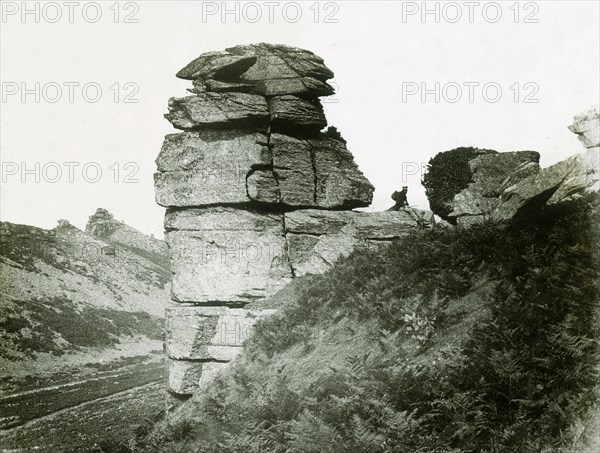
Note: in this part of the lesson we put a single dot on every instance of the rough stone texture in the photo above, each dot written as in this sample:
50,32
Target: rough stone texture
491,175
209,372
205,149
317,238
186,377
318,172
566,180
204,168
237,184
293,115
563,181
266,69
208,167
225,255
209,333
294,170
339,181
587,128
183,377
216,65
285,70
218,110
263,186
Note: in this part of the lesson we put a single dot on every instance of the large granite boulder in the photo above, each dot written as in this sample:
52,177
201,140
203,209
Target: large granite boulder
218,110
205,168
317,238
225,255
587,128
563,181
266,69
318,172
294,115
491,174
208,167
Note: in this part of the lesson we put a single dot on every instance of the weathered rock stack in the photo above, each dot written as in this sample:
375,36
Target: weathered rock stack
255,195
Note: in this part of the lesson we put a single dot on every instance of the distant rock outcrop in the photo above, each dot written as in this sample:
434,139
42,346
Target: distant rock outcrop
65,289
504,183
255,195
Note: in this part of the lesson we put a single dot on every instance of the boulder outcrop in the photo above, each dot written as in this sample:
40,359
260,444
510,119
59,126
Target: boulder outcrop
255,195
491,174
504,183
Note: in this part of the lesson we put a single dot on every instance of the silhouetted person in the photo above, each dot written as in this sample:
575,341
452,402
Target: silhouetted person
400,199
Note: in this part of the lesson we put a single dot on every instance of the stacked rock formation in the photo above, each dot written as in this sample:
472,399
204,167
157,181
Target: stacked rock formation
255,195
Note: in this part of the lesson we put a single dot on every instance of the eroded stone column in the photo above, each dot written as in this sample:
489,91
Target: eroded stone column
255,194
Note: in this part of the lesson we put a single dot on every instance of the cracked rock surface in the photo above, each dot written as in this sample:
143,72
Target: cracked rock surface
265,69
256,194
215,110
491,174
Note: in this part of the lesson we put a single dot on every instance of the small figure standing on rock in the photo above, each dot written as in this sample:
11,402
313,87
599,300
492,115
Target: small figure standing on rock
400,199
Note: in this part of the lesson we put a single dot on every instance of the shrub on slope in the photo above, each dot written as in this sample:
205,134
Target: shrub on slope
447,174
479,339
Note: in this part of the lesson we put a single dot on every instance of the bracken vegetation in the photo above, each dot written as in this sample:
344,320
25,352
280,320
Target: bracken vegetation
57,326
457,340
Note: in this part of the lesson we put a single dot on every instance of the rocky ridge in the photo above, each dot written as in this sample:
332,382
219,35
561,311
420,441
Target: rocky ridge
64,289
256,195
505,183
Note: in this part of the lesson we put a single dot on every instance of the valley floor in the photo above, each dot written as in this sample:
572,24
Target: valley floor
76,412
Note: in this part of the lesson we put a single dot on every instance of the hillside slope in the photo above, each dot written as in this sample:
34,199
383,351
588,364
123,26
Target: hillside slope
65,289
455,339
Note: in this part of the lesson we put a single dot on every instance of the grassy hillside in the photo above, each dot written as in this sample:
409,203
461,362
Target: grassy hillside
63,290
479,339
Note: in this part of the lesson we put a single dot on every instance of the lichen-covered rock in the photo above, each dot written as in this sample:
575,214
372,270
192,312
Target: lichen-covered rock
587,128
491,174
317,238
236,185
294,115
208,167
266,69
209,333
218,65
263,186
340,183
183,377
283,69
293,166
281,61
212,167
318,172
563,181
207,149
226,255
218,110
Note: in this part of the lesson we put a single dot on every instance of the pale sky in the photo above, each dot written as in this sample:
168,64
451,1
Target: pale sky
375,54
